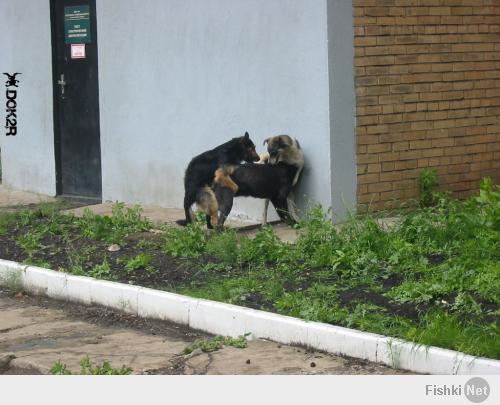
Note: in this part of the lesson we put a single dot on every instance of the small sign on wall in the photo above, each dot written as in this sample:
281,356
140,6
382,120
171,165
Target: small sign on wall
77,51
77,24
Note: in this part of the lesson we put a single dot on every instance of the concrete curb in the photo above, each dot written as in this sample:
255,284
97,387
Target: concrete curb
231,320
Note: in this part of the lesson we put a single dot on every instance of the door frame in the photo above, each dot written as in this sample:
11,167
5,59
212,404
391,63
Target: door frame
55,104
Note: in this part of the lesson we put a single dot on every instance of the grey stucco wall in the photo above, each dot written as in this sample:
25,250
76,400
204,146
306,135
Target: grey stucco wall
179,77
25,46
342,107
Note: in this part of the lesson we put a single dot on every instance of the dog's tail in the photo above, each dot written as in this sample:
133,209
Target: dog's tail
292,207
189,199
297,175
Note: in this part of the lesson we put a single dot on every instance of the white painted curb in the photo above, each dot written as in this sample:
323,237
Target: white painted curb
231,320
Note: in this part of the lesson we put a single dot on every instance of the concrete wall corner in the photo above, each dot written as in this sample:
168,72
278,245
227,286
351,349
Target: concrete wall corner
342,104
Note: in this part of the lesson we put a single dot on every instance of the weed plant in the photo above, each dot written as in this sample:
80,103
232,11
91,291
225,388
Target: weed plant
433,278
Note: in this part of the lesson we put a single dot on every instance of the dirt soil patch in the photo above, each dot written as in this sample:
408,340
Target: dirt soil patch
169,273
362,278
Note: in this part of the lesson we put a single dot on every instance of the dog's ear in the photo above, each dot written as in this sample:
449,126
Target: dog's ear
244,139
265,141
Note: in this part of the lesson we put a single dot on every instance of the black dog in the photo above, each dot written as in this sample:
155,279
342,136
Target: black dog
273,182
200,171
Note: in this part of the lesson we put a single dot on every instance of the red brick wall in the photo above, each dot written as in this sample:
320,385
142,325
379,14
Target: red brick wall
427,95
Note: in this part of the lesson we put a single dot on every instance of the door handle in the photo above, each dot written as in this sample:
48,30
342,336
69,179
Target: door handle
61,83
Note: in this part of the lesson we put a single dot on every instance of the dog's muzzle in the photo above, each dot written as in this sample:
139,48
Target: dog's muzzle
273,157
253,156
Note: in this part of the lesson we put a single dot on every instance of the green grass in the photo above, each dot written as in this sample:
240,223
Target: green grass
446,258
88,368
429,183
141,261
216,343
188,242
46,219
115,227
102,270
30,243
433,279
5,220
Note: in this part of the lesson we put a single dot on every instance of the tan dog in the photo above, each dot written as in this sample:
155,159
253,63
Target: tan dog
286,149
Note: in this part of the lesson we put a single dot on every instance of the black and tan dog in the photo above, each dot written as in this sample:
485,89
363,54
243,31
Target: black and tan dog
201,169
269,181
273,181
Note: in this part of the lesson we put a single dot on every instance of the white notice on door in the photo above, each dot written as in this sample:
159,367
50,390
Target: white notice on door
77,51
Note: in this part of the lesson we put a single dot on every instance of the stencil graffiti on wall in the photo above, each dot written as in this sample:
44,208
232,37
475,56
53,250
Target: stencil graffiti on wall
11,86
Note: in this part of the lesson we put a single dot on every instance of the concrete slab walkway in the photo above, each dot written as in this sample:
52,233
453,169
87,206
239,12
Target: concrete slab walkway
160,215
36,332
157,215
12,198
